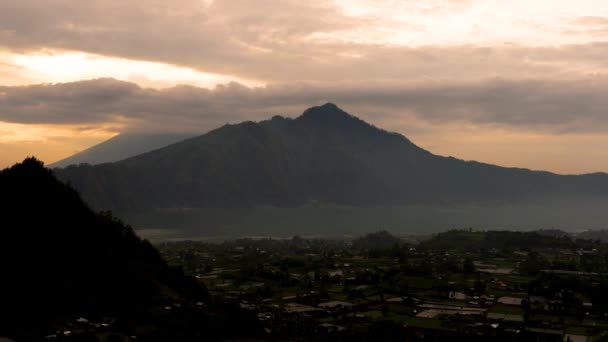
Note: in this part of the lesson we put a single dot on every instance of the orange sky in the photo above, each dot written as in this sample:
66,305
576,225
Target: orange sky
514,83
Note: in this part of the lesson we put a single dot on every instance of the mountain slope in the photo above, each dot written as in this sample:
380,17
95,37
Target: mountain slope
121,147
323,156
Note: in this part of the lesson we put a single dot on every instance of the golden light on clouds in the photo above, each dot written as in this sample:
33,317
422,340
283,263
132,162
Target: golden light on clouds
50,66
47,142
461,22
565,154
418,55
12,132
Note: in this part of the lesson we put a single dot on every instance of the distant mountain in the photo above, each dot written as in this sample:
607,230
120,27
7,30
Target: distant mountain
475,240
600,234
324,156
60,259
121,147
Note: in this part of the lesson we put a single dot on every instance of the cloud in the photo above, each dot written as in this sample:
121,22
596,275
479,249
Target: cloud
319,40
591,21
596,26
527,105
225,37
419,67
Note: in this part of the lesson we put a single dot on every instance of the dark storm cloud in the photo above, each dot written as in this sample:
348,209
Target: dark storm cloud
548,106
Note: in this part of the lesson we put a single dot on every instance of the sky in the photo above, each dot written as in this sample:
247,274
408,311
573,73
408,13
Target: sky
514,83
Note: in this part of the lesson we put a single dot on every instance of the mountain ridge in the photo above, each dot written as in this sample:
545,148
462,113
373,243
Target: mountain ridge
325,155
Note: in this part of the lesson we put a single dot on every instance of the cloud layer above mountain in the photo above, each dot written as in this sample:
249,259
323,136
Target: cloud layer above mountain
443,71
323,40
550,106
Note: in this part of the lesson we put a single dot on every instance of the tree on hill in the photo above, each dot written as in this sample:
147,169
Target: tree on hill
468,266
378,240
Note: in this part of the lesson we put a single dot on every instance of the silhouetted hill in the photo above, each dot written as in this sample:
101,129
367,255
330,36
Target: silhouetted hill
377,240
324,156
59,258
474,240
121,147
599,234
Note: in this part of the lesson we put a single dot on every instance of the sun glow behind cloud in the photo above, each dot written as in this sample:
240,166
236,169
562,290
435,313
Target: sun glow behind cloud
468,22
67,66
14,133
47,142
329,44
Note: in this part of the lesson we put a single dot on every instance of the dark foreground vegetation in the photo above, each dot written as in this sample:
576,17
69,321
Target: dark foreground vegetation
69,273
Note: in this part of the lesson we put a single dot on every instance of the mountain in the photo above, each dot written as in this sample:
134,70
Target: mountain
121,147
60,259
324,156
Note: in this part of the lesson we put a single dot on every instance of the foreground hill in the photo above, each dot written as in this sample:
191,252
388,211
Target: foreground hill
120,147
60,259
323,156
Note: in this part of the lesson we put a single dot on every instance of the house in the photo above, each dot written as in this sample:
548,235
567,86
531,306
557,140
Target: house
335,304
300,308
336,274
330,327
514,301
458,295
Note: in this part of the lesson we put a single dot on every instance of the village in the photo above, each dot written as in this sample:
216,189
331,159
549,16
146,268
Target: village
510,285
